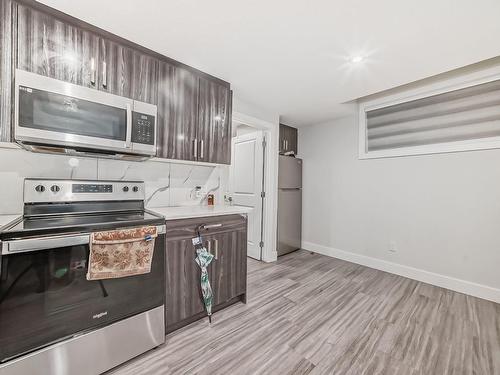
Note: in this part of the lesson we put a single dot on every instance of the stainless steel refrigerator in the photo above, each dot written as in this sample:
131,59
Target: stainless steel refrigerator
289,204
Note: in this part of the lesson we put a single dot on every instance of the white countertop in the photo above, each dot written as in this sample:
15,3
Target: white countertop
6,219
172,213
186,212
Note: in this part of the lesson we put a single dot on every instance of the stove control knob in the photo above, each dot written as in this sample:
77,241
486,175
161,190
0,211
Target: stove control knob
55,188
135,189
40,188
125,189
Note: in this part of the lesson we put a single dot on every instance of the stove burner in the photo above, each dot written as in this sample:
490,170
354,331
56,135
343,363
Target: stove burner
62,206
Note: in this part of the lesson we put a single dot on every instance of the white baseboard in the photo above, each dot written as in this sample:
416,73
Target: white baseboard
269,258
457,285
10,145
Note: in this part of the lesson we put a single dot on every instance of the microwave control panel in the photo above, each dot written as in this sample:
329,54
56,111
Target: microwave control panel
143,128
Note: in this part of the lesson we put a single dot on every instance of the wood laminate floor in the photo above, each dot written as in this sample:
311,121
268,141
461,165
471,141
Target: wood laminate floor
311,314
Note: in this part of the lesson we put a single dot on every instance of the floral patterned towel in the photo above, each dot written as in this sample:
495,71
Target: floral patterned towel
121,253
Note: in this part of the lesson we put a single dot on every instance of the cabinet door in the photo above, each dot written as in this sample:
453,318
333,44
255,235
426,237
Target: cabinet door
214,127
288,139
229,267
282,137
50,47
292,139
177,113
5,69
183,293
127,72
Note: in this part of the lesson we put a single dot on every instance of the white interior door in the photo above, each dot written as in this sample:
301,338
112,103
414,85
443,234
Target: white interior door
246,174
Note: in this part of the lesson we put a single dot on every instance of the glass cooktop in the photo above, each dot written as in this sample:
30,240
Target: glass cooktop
80,223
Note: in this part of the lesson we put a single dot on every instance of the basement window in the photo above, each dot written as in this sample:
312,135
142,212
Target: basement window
455,115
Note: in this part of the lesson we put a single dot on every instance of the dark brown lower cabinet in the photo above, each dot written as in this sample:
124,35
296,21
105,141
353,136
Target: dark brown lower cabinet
226,238
228,265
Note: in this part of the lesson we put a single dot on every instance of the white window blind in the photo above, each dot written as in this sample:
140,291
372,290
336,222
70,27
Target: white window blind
467,114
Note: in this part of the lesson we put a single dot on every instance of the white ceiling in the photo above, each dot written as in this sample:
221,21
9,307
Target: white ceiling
291,57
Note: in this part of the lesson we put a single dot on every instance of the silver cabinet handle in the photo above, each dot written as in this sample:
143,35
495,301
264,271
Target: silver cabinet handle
104,75
209,226
202,149
195,148
286,144
209,246
48,243
92,71
216,243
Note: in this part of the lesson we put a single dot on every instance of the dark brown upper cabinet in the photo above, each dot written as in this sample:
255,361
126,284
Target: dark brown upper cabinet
214,124
194,117
5,69
194,108
126,72
177,113
56,49
52,48
288,139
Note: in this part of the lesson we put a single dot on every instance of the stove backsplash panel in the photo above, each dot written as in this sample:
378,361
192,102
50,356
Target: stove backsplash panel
167,184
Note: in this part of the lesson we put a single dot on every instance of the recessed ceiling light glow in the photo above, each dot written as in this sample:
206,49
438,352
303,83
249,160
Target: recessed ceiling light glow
356,59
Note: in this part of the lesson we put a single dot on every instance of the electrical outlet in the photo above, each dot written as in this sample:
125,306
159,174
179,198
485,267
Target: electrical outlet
198,192
392,247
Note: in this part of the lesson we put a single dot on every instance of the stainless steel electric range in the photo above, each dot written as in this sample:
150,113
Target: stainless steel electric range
51,316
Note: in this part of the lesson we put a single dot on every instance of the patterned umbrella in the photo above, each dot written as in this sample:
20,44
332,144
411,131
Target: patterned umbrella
203,259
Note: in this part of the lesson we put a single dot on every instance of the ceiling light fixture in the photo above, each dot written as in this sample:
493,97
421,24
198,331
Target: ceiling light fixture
356,59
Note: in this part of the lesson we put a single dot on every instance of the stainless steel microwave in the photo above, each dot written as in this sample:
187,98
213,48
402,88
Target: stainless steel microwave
55,115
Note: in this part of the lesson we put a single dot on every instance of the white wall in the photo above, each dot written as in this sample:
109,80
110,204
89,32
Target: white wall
241,106
17,164
442,211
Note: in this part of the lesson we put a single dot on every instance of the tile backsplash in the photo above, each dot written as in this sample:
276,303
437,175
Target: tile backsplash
167,184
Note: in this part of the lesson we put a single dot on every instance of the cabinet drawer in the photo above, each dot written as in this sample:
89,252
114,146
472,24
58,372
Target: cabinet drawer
187,228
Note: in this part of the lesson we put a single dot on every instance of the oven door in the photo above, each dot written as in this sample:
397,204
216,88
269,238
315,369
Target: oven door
45,296
53,112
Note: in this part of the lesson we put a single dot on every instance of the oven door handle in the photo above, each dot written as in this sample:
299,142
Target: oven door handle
43,243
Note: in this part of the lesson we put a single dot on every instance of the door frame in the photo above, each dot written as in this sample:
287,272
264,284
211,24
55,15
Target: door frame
258,136
270,207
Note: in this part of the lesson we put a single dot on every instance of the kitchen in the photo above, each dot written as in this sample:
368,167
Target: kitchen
89,110
155,221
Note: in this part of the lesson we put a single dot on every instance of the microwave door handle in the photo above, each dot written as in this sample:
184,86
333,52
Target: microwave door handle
128,141
104,75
